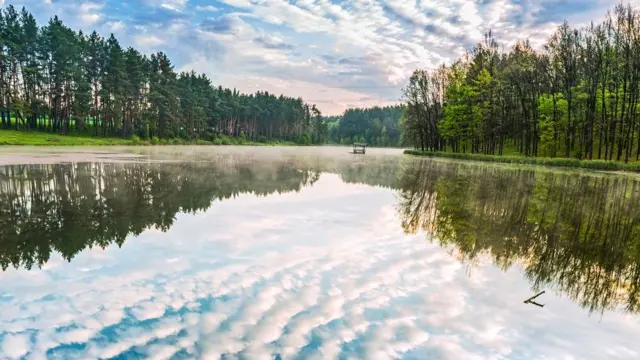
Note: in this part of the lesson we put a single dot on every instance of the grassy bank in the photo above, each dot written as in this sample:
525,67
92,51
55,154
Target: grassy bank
564,162
13,137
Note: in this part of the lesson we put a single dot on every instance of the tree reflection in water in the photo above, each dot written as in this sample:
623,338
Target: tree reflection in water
66,208
573,232
576,233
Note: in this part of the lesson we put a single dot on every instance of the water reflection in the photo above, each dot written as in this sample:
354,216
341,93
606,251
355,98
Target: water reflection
578,234
69,207
66,208
575,233
292,256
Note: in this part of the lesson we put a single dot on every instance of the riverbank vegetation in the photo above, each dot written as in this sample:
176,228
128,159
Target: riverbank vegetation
577,97
13,137
59,81
33,138
528,160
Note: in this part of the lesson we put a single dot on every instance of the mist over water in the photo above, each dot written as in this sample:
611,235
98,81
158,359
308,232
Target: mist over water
199,252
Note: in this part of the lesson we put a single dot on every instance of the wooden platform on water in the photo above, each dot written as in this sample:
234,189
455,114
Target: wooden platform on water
359,148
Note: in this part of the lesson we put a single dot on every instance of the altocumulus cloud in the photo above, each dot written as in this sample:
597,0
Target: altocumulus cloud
338,279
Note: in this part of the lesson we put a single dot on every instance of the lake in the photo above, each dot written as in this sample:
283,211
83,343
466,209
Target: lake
291,253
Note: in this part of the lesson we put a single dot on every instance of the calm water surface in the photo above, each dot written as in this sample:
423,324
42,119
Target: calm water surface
293,253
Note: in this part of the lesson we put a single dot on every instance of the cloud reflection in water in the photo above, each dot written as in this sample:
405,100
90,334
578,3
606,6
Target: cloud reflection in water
323,273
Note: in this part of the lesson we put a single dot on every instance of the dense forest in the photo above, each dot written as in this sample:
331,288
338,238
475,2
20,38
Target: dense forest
55,79
576,97
573,233
378,126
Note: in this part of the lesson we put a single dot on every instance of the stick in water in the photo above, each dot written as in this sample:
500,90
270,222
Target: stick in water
533,297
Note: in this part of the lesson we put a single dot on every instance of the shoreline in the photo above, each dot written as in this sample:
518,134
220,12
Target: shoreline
541,161
43,139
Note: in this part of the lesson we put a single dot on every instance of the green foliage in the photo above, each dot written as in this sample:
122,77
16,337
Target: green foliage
155,140
135,139
455,120
548,143
575,98
552,110
305,139
106,90
379,126
242,138
565,162
12,137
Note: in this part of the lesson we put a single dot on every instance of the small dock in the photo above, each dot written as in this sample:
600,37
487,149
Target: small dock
359,148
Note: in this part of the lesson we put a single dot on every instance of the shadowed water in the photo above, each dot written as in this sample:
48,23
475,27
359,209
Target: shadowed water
314,253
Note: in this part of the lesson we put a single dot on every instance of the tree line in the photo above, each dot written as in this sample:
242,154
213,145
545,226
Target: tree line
55,79
573,233
378,126
578,96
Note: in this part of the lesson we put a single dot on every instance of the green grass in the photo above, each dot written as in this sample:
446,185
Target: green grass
13,137
33,138
564,162
272,143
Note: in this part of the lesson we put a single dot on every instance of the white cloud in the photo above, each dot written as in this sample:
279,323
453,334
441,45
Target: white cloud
89,13
90,18
206,8
75,336
176,5
109,317
237,3
15,346
161,352
115,26
148,41
133,337
148,310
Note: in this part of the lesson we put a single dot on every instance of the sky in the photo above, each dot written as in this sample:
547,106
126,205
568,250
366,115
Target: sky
323,273
336,54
